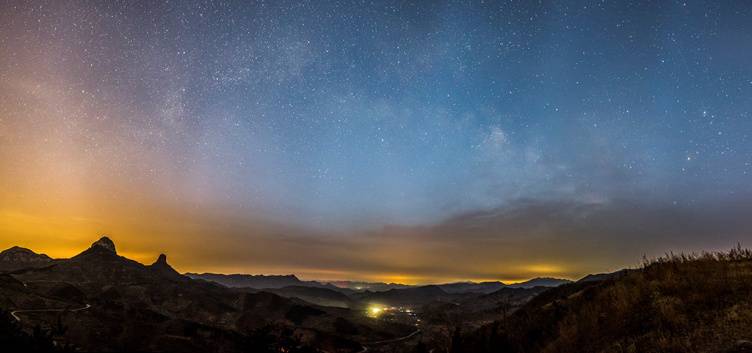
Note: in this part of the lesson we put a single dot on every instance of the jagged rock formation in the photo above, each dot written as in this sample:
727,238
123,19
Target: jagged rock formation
161,260
163,267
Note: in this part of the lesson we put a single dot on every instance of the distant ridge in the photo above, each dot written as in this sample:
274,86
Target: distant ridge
363,286
541,282
281,281
405,296
472,287
249,281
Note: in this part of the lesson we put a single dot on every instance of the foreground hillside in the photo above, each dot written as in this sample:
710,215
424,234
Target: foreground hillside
673,304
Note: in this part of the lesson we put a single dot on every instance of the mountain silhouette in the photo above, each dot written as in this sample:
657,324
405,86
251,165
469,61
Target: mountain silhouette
106,302
17,257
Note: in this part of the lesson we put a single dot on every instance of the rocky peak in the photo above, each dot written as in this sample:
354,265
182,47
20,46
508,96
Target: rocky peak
161,260
17,258
22,255
162,266
105,243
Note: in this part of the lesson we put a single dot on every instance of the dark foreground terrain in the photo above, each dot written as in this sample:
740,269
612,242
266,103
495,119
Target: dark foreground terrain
681,303
100,301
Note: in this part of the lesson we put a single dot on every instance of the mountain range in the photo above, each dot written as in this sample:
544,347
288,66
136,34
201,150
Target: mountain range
281,281
101,301
106,302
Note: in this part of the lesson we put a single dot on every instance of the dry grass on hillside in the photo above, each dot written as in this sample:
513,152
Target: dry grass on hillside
676,303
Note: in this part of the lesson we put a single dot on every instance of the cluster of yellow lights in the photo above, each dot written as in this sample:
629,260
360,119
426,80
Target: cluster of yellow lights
375,311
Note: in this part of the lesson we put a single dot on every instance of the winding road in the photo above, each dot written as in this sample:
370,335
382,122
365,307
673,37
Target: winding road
18,318
15,313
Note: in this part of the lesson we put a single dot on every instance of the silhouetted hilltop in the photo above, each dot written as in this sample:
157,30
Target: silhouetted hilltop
18,258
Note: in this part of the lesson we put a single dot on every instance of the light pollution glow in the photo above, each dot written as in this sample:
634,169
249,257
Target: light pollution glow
410,143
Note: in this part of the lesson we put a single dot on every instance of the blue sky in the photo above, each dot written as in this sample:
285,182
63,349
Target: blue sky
346,117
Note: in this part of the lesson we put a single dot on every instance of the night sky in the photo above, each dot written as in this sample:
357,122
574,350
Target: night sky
386,140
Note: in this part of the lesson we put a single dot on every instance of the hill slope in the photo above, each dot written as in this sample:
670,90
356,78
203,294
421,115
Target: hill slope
674,304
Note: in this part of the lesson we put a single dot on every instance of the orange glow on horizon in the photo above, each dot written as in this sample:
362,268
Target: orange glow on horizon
142,234
64,238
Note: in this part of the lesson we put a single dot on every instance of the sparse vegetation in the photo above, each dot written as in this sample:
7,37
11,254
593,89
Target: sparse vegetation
676,303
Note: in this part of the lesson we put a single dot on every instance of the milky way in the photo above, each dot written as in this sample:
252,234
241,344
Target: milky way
377,140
